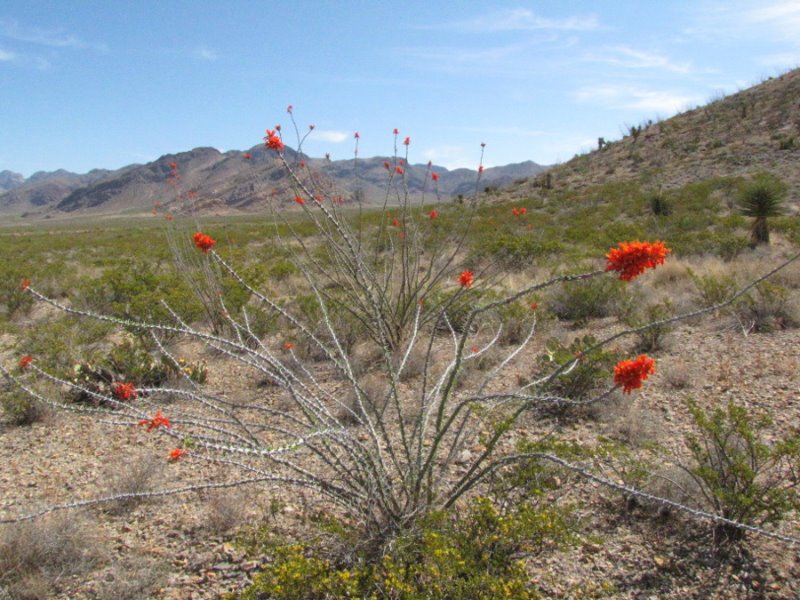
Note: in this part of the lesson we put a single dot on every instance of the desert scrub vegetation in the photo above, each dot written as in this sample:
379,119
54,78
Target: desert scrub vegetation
418,426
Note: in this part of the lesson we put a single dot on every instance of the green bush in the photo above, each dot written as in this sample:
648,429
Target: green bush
741,476
590,372
583,300
652,338
768,308
474,553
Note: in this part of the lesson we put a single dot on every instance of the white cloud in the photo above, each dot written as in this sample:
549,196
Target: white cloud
6,55
522,19
327,135
205,54
630,58
631,97
55,38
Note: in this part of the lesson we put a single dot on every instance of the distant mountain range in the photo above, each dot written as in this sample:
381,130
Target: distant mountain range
231,182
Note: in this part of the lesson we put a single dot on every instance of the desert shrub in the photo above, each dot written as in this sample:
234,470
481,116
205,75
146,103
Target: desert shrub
516,251
473,553
659,204
653,338
768,308
36,556
588,373
584,300
741,476
137,475
713,289
18,408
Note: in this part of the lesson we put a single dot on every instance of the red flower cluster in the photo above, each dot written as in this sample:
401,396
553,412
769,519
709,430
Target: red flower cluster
407,141
124,391
247,156
24,284
631,259
203,241
433,214
631,373
288,345
466,279
356,135
480,169
299,200
176,453
399,170
519,212
157,421
435,176
386,165
273,141
25,362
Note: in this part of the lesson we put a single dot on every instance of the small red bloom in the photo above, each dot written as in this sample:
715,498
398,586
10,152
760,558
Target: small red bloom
24,284
25,362
435,176
125,391
278,127
157,421
399,170
407,141
173,166
631,373
247,156
289,109
474,349
534,305
356,135
480,169
302,164
311,127
288,345
631,259
168,217
273,141
176,453
395,131
386,165
433,214
203,241
395,223
299,200
466,278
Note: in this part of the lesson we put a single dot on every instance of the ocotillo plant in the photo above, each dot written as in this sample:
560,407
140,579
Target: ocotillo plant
385,454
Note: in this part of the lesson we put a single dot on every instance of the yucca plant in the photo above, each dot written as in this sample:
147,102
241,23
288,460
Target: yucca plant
760,198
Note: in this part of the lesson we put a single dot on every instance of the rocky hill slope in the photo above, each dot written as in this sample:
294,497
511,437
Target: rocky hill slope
757,129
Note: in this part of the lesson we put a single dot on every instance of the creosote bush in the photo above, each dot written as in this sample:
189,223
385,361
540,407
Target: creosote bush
740,475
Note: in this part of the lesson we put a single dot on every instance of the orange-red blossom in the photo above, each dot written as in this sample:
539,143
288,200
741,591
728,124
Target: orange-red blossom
631,259
631,373
125,391
273,141
25,362
466,278
203,241
176,453
157,421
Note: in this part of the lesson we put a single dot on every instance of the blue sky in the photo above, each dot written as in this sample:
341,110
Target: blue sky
104,84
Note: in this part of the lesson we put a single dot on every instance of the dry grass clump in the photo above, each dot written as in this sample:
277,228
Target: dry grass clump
677,376
135,578
136,476
225,510
35,555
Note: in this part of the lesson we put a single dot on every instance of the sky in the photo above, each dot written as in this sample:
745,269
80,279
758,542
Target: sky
89,84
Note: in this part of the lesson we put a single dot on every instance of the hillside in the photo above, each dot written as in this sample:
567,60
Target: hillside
753,130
